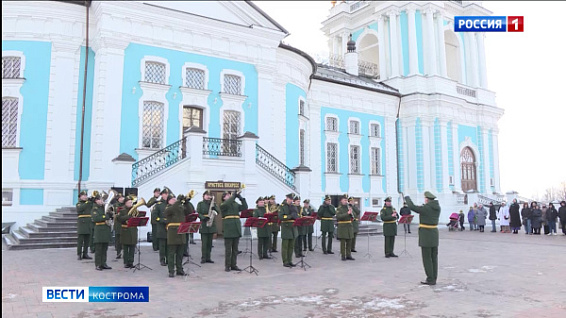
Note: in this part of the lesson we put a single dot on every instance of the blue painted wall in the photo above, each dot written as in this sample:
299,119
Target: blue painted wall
356,34
467,131
419,151
35,94
450,151
482,164
438,155
88,115
419,27
344,147
292,94
129,133
491,158
401,156
31,196
404,41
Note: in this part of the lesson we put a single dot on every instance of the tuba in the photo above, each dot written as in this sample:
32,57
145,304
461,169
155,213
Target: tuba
134,209
211,213
108,208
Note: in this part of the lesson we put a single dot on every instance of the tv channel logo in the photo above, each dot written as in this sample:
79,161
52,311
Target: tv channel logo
95,294
488,24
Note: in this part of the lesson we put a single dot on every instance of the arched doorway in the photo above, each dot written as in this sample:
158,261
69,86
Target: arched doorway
368,50
468,165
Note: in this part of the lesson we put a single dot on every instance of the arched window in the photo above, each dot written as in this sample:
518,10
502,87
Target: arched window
152,125
368,50
9,122
155,72
468,165
453,58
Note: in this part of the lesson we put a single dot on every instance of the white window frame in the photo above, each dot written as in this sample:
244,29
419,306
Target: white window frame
22,62
11,202
235,73
302,99
201,67
156,59
240,127
337,123
371,131
380,172
350,122
359,159
18,120
164,132
302,147
337,170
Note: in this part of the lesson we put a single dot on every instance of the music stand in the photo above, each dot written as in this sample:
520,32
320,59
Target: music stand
142,214
369,217
271,217
405,219
137,222
185,228
253,222
304,221
248,213
189,218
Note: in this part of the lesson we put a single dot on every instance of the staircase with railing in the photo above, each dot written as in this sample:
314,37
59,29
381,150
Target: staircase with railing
147,168
275,167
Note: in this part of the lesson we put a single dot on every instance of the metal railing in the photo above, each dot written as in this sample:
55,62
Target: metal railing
336,60
465,91
485,200
221,147
146,168
368,69
275,167
357,5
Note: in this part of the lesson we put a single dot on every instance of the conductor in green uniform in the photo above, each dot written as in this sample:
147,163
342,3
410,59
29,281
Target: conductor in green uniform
326,213
232,228
288,213
389,217
355,221
128,235
149,204
158,216
175,214
428,234
102,234
83,225
262,232
206,232
344,217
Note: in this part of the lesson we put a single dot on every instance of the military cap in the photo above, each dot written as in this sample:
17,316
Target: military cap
156,190
297,198
224,194
83,193
429,195
345,196
327,197
290,196
164,191
127,198
259,199
169,197
206,192
307,201
272,197
388,199
350,199
179,197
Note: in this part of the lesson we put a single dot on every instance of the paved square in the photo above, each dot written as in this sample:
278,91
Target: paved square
480,275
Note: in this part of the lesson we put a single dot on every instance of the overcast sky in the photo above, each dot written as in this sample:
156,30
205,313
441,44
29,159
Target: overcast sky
526,71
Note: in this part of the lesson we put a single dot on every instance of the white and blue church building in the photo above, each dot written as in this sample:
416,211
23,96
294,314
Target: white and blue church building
205,95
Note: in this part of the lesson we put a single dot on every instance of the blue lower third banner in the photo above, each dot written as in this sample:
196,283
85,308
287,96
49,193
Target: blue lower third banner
96,294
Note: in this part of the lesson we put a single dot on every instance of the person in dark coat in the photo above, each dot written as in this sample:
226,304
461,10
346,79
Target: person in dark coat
406,211
527,214
551,215
562,215
492,216
515,222
536,218
461,218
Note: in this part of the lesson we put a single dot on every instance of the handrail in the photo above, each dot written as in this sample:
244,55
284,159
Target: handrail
147,167
221,147
275,167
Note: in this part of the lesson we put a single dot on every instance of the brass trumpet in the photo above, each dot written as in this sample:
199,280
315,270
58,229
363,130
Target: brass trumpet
134,209
242,187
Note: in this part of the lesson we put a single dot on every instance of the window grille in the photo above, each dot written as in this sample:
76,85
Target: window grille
375,161
155,72
374,130
7,195
192,116
9,122
195,78
331,124
354,127
332,156
232,84
302,107
302,147
11,67
152,131
354,159
231,131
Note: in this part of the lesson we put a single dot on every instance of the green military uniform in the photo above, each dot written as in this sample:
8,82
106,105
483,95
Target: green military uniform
262,232
326,212
158,217
102,236
345,230
301,232
206,232
428,235
83,227
175,215
128,236
309,229
389,228
189,209
232,229
355,223
287,214
149,204
275,227
118,229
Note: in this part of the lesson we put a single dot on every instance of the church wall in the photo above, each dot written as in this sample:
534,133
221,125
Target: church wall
292,96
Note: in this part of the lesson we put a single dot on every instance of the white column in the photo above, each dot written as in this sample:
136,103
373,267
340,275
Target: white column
487,163
474,62
390,156
345,39
394,43
481,55
413,58
444,153
428,153
381,43
107,108
456,158
495,136
411,156
249,141
430,43
468,60
440,44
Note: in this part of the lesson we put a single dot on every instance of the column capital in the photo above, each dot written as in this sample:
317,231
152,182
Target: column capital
393,13
411,8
